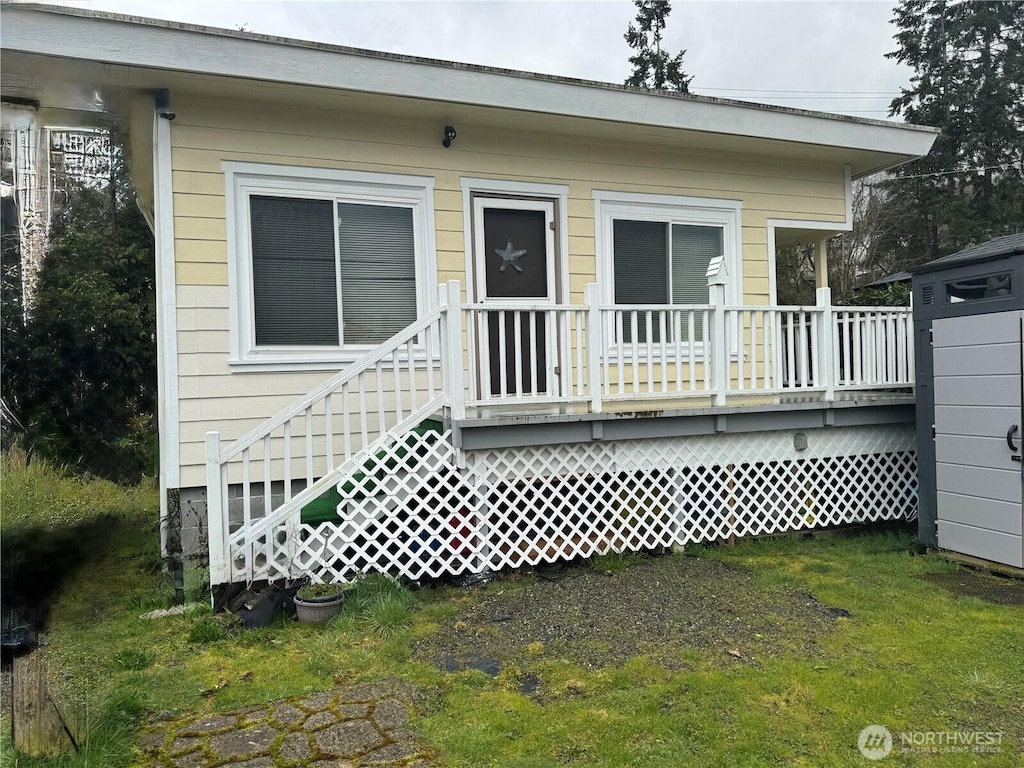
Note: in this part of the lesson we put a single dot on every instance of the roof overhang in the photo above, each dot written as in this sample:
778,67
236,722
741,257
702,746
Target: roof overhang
78,60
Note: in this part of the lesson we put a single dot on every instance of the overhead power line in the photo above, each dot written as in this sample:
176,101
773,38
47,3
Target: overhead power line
1002,167
827,98
780,90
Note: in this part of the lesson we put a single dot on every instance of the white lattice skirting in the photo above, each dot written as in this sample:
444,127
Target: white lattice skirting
416,513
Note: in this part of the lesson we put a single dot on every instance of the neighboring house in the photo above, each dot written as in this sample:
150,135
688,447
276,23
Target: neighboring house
507,317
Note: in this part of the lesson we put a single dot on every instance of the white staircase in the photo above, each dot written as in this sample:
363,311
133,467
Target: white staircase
258,485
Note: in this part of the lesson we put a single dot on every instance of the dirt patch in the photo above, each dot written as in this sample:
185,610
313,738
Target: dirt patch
660,607
993,589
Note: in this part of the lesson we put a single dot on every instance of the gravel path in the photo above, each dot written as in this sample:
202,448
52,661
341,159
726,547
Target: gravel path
659,607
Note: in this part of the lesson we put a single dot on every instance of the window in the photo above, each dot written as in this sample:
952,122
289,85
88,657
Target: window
655,249
663,263
979,288
325,264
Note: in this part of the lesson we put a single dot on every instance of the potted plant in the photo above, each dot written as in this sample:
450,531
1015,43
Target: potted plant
318,602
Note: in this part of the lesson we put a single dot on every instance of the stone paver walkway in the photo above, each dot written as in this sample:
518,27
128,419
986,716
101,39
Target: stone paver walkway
360,725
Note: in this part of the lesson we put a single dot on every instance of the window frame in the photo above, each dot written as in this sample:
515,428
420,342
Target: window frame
610,206
242,180
666,209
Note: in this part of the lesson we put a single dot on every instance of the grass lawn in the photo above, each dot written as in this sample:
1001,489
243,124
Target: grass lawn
911,656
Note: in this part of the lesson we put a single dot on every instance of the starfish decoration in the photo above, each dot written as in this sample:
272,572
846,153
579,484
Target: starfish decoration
510,257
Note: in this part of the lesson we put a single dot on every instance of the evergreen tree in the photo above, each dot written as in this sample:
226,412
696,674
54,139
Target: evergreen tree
968,63
653,67
79,373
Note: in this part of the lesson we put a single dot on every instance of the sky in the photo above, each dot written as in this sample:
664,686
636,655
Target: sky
826,55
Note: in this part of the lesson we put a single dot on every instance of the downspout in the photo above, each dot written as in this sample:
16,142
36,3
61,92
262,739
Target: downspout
166,333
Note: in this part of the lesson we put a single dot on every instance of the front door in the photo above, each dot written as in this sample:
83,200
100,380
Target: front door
514,250
978,435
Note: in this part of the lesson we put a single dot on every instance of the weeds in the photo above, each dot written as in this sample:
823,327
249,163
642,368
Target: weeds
133,659
39,495
213,629
387,615
614,562
373,589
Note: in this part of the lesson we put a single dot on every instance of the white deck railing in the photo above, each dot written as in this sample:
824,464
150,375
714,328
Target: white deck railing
874,348
597,353
526,353
514,354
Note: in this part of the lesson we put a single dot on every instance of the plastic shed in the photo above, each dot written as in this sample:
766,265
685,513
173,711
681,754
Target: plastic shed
968,314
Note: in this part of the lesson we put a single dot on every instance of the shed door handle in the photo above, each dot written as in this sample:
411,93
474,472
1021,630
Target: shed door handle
1009,437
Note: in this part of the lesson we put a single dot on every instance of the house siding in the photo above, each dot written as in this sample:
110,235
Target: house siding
205,133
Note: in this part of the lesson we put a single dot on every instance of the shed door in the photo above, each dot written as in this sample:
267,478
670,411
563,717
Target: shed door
977,419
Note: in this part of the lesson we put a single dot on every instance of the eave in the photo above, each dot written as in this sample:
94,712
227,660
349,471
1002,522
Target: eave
142,53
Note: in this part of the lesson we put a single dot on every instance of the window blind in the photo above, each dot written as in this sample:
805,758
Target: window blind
641,269
295,290
643,252
693,248
640,250
376,246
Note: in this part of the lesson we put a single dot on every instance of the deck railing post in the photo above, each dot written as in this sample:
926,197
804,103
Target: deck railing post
215,512
826,347
595,345
718,355
452,357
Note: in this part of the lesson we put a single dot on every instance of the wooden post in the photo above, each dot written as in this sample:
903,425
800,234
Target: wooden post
37,728
452,357
827,352
595,345
215,512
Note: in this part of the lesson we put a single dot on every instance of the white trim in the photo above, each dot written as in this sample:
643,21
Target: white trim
557,192
773,224
155,45
835,226
244,179
479,279
848,193
327,174
480,256
666,201
168,406
507,191
609,206
525,188
773,282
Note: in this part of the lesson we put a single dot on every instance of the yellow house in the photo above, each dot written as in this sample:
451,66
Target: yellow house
497,317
